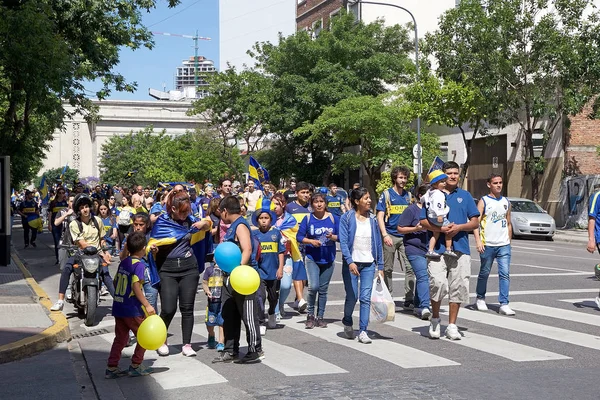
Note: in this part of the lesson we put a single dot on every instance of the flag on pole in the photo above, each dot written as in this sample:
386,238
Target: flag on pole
62,175
257,172
44,190
437,163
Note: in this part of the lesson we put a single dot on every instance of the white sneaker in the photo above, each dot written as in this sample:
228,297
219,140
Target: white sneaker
272,322
452,332
425,314
187,351
163,350
598,302
103,291
434,328
480,305
302,304
263,330
58,306
349,331
506,310
364,338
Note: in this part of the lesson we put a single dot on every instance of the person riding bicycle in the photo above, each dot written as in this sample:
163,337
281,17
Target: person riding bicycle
86,230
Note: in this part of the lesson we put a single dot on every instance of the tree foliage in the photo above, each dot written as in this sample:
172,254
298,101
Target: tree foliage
49,50
146,158
53,177
533,61
350,59
382,132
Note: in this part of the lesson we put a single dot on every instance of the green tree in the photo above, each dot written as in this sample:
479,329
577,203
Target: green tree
49,50
533,61
146,158
53,177
237,106
447,103
382,132
350,59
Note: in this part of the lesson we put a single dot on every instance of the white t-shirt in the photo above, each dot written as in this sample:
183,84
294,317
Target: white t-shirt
361,249
434,201
251,198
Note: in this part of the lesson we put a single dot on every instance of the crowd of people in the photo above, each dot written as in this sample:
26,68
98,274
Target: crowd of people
291,238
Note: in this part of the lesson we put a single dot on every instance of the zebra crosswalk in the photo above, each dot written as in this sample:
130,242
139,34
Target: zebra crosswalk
400,343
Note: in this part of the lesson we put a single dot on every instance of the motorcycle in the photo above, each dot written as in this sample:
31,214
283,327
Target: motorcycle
84,287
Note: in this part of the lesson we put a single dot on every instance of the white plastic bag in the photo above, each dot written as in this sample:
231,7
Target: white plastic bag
383,308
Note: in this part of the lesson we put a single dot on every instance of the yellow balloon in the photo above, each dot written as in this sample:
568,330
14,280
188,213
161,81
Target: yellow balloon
244,279
152,333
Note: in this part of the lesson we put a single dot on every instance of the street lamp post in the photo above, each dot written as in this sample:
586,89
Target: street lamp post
419,153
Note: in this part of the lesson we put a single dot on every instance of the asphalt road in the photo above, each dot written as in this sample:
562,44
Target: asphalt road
549,350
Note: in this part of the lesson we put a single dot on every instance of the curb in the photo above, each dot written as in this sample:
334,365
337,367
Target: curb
45,340
569,238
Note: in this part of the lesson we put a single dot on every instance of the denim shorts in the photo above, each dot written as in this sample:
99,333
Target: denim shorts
213,314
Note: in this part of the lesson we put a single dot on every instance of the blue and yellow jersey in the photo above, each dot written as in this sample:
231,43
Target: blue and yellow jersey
271,246
125,304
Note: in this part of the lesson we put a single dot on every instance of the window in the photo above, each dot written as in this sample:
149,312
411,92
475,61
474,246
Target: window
332,15
354,8
537,138
316,28
444,151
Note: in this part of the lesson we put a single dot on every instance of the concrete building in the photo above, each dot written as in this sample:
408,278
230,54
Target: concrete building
242,23
80,143
185,76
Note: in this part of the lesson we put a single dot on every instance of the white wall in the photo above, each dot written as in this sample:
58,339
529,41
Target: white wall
80,143
245,22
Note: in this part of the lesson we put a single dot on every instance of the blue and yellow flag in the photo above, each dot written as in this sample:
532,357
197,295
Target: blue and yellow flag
437,163
257,172
44,190
166,231
64,171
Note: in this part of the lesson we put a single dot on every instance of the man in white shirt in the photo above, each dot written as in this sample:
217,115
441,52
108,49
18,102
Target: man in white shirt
251,197
493,243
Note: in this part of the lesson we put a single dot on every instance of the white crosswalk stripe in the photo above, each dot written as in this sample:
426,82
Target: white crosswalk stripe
559,313
531,328
288,360
392,352
502,348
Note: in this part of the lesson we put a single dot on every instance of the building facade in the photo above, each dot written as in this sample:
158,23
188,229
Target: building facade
79,144
185,77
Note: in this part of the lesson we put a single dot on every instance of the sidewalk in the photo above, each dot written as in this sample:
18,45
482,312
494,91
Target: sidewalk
571,236
27,326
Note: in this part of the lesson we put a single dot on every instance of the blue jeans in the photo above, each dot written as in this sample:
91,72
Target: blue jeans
502,256
366,274
419,266
285,285
319,276
150,291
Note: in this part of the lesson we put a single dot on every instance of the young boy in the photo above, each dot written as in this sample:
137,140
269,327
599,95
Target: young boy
235,306
212,284
434,202
270,265
127,309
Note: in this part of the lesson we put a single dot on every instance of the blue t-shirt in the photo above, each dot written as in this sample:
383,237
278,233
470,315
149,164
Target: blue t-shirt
334,204
398,203
462,209
594,212
214,281
230,237
158,208
125,304
314,228
203,205
109,224
271,247
28,207
415,243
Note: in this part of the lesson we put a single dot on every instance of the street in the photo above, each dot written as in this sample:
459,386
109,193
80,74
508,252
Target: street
549,350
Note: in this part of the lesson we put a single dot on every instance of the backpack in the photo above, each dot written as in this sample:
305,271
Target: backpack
124,217
388,203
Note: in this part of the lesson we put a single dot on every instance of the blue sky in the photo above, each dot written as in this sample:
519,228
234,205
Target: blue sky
153,68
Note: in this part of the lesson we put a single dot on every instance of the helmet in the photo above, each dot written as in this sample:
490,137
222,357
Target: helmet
80,200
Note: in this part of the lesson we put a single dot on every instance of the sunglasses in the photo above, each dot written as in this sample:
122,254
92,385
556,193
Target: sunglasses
112,198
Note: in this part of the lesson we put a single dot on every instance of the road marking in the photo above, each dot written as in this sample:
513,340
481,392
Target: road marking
530,248
288,360
531,328
542,267
392,352
182,371
553,312
487,344
559,255
110,322
586,302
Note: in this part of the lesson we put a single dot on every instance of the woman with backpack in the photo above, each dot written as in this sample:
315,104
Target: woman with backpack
124,214
319,232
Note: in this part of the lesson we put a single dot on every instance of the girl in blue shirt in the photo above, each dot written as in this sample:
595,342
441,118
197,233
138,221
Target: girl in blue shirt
318,231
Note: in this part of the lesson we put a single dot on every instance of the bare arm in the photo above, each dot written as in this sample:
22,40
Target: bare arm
386,237
478,242
139,294
591,246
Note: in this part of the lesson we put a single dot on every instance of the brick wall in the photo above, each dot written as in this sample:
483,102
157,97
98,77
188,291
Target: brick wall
584,135
310,11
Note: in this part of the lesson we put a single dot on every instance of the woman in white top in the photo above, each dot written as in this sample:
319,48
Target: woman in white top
362,254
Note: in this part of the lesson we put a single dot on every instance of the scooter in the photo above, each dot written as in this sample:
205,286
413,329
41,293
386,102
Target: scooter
84,287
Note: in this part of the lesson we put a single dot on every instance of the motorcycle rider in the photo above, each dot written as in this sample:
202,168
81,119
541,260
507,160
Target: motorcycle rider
86,230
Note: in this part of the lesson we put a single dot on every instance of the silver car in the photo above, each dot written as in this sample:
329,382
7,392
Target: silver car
529,219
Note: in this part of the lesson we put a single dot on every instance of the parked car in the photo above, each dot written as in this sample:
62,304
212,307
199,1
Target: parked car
529,219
